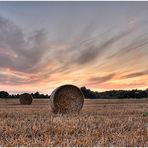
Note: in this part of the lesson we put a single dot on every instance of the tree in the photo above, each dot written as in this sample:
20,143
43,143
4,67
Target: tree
4,94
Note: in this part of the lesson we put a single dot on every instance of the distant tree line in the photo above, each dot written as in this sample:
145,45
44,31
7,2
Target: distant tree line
112,94
4,94
115,94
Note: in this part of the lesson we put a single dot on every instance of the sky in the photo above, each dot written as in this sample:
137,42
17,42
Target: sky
100,45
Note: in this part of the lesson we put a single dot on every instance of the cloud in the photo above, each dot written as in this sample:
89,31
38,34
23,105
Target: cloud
34,55
89,50
10,78
93,50
18,51
99,80
83,53
135,74
21,53
109,86
138,42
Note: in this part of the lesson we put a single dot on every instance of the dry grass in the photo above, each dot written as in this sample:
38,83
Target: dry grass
100,123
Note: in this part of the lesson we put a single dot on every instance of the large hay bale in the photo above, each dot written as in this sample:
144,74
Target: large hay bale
26,99
66,99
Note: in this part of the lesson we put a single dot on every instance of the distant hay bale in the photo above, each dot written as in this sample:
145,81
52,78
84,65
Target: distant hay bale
26,99
66,99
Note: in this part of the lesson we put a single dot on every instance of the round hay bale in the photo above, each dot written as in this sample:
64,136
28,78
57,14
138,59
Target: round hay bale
66,99
26,99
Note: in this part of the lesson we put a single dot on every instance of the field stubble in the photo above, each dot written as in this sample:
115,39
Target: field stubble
100,123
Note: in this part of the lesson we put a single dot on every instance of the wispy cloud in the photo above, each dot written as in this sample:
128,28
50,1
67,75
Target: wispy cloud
27,59
20,52
135,74
94,50
99,80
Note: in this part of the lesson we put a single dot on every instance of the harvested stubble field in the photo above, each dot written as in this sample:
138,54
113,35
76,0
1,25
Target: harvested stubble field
100,123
